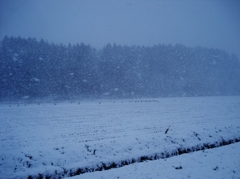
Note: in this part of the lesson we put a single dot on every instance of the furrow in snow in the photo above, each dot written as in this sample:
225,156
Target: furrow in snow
118,164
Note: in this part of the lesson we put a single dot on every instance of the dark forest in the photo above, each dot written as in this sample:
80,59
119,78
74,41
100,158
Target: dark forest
31,69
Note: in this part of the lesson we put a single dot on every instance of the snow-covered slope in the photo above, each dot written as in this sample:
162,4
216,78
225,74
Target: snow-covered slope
56,140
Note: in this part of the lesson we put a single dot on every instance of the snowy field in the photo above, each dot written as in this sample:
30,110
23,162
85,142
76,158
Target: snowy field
64,139
216,163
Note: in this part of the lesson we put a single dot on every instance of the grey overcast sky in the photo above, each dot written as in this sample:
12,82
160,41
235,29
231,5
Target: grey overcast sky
208,23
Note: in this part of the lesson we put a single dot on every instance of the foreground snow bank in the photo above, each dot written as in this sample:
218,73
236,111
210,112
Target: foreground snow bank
59,140
220,162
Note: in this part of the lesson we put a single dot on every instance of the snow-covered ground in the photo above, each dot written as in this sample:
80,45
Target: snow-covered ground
56,140
217,163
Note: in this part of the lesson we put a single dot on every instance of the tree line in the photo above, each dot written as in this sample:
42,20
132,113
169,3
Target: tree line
31,69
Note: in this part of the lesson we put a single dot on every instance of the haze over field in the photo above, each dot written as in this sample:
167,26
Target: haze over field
212,24
136,48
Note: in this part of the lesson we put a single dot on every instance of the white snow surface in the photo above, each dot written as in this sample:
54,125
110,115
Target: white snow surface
218,163
52,138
